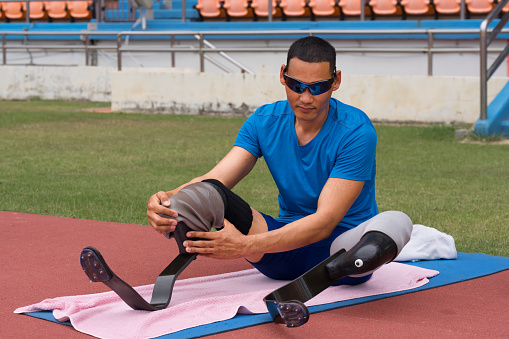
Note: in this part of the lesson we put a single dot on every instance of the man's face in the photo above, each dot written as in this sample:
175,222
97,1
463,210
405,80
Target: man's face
308,107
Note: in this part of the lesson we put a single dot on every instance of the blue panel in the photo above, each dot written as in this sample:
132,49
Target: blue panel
170,19
498,116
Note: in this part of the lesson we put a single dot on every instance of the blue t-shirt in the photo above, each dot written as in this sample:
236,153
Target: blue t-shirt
344,148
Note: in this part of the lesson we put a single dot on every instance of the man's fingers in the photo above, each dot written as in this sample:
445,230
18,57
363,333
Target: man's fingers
196,247
160,203
156,213
199,242
161,229
156,216
201,235
163,198
164,225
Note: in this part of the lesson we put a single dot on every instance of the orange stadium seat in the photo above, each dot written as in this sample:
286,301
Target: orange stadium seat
209,8
479,6
236,8
322,7
261,7
13,10
415,7
384,7
447,6
293,7
506,8
56,9
80,9
350,7
36,9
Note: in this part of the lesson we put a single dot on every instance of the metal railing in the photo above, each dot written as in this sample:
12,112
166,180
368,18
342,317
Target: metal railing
486,38
203,48
86,46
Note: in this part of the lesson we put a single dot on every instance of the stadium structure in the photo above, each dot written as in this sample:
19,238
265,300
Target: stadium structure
431,61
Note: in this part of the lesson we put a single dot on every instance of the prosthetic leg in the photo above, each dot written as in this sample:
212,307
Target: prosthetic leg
97,270
374,249
200,206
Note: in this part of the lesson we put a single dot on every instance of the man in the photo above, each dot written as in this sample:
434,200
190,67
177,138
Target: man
321,154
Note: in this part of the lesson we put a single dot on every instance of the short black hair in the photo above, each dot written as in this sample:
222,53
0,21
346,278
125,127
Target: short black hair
313,49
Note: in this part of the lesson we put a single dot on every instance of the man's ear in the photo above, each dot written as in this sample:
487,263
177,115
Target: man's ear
337,82
281,77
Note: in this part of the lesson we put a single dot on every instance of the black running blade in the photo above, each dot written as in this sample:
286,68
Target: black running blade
163,287
97,270
94,265
286,304
292,313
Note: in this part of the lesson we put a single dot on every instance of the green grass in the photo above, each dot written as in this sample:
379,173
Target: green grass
58,160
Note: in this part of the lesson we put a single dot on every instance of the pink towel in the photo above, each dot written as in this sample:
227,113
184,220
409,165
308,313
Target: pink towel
204,300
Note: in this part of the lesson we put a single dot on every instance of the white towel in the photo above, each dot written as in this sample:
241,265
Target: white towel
427,243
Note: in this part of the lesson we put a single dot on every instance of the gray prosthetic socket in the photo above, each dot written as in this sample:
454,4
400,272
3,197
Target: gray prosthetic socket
396,225
199,206
371,252
370,245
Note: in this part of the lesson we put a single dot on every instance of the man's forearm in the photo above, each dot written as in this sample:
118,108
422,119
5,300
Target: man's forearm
294,235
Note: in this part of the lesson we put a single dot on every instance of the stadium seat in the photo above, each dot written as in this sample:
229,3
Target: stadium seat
56,9
322,7
261,7
13,10
384,7
236,8
447,6
415,7
209,8
479,6
36,9
1,11
350,7
293,7
80,9
506,8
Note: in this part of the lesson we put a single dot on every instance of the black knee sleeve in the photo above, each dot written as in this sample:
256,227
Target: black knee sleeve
236,210
373,250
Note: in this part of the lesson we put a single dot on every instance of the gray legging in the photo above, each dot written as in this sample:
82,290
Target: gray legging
199,206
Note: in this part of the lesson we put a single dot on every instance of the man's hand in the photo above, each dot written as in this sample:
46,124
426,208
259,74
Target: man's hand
154,206
227,243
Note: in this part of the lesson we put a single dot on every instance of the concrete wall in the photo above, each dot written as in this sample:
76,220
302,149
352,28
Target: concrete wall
49,82
436,99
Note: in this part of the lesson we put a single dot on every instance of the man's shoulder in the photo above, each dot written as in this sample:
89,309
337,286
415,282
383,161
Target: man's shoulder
278,108
349,116
269,115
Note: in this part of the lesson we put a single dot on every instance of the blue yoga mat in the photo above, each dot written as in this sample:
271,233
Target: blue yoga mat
467,266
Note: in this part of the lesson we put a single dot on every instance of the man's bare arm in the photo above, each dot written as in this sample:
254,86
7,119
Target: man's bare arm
336,198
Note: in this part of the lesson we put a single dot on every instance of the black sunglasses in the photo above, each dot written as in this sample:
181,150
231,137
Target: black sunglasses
315,88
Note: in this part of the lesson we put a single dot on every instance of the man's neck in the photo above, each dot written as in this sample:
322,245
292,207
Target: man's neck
307,130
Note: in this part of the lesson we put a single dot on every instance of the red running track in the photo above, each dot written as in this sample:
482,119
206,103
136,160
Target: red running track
41,260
